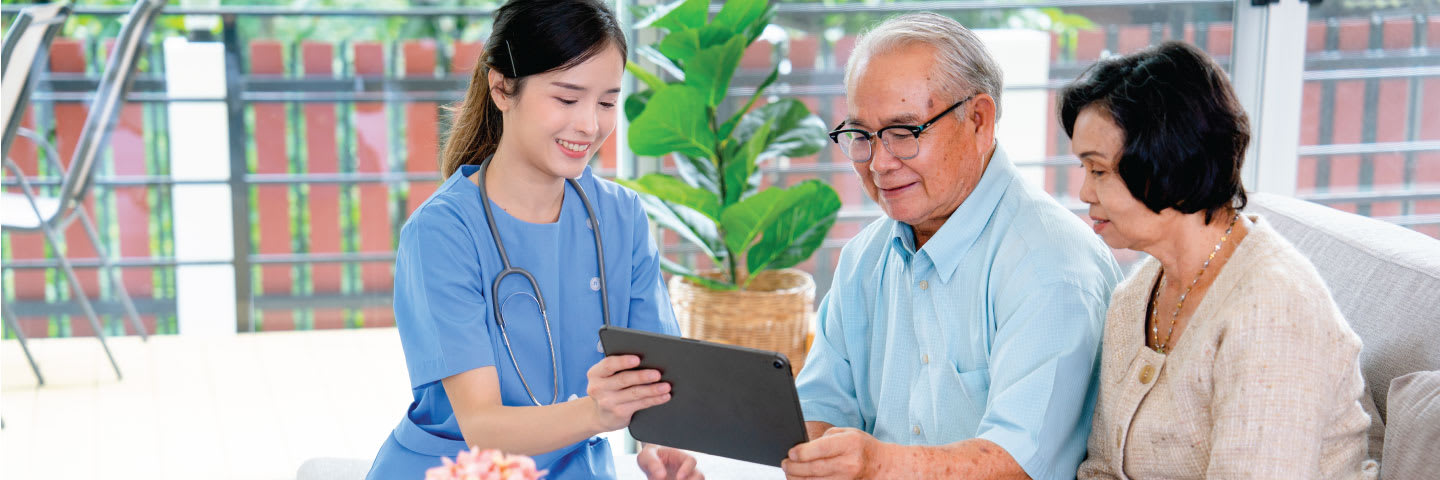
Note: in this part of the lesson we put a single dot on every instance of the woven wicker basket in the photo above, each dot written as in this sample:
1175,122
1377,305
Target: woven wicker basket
774,314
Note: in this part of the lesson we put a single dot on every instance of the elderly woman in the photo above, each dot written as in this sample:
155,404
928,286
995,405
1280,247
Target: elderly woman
1224,355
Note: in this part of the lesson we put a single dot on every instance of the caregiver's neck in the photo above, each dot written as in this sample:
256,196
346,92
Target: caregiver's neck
525,192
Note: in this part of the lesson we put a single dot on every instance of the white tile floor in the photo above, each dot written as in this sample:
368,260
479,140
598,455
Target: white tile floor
252,406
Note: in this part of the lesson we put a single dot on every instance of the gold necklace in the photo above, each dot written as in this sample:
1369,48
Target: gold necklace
1162,347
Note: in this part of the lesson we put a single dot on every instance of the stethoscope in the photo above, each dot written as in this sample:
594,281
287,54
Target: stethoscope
537,297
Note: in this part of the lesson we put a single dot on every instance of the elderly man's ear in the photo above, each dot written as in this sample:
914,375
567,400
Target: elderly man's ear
980,122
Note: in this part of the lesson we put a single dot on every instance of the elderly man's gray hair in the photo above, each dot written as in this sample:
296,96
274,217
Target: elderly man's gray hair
962,64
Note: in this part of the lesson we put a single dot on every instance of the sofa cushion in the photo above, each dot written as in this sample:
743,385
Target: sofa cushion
1385,279
1413,427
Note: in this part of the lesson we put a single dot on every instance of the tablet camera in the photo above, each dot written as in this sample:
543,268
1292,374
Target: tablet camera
779,363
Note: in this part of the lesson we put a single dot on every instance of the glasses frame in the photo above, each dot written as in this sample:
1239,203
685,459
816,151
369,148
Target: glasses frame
915,131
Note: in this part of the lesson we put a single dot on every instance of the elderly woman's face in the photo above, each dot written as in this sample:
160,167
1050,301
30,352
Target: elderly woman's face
1116,215
895,89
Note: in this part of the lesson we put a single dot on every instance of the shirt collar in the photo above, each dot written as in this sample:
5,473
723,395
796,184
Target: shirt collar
963,228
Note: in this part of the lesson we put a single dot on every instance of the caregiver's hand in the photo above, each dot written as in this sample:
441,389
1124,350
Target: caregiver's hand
665,463
618,392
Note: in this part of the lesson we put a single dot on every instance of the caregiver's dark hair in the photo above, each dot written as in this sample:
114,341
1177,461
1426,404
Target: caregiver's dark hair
1185,132
528,37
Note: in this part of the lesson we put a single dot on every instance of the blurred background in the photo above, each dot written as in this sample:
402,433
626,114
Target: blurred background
269,151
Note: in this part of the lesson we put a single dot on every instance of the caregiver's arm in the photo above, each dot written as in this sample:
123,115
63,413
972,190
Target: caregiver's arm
614,394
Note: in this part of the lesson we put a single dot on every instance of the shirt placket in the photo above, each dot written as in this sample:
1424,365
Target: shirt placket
922,318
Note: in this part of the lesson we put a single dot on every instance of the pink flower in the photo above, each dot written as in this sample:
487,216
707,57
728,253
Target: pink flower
479,464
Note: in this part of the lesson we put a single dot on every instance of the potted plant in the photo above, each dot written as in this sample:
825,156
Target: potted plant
752,235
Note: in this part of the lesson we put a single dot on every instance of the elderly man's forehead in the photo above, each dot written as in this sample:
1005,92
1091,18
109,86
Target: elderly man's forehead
895,82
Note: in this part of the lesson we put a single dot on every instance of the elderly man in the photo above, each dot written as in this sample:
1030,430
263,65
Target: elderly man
960,337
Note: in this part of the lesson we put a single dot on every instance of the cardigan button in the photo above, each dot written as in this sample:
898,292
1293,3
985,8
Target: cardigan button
1147,374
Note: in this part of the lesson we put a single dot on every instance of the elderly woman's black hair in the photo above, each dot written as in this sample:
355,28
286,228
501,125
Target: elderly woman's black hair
1185,132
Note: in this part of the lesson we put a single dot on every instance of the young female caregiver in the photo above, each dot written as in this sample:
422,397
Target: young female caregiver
514,364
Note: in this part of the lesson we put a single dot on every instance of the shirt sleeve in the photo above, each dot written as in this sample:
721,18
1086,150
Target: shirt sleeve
650,307
1273,373
441,309
1043,370
826,384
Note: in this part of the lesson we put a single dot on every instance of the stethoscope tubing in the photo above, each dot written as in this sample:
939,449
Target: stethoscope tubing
508,269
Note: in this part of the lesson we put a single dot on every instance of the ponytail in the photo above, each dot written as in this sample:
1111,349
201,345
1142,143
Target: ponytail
475,133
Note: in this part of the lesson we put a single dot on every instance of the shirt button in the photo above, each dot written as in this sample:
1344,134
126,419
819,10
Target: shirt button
924,285
915,429
594,284
925,359
1146,374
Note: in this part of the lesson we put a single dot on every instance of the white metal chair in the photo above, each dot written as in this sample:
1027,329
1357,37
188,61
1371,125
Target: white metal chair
29,36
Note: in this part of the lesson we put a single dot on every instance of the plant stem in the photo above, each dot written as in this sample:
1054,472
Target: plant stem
724,188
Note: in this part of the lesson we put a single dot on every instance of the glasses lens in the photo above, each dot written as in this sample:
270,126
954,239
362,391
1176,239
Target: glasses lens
901,143
855,146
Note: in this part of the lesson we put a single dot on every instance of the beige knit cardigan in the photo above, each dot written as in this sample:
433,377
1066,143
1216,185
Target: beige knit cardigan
1264,383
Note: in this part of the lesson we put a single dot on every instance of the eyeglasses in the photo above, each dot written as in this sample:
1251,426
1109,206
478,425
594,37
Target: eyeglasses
902,141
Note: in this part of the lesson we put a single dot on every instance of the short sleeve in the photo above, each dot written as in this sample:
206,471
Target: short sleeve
826,384
440,298
650,308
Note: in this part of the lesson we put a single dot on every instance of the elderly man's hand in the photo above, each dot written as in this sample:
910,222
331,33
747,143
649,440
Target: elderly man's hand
839,454
665,463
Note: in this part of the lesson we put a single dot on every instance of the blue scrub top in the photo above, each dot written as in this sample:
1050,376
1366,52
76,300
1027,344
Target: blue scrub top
444,267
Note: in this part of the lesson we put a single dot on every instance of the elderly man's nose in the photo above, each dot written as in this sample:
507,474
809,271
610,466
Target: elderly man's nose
884,161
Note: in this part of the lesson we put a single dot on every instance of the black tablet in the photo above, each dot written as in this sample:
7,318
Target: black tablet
728,401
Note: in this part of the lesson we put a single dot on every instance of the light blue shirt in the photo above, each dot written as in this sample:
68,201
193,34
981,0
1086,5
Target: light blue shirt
444,267
991,330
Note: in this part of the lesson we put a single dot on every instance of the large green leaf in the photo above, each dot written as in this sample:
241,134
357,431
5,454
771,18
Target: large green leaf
673,190
794,131
680,46
729,126
793,232
670,123
740,166
747,16
635,103
692,226
698,172
681,270
711,69
679,15
744,220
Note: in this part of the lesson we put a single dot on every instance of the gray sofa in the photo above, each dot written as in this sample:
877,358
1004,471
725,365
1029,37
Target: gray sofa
1386,280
